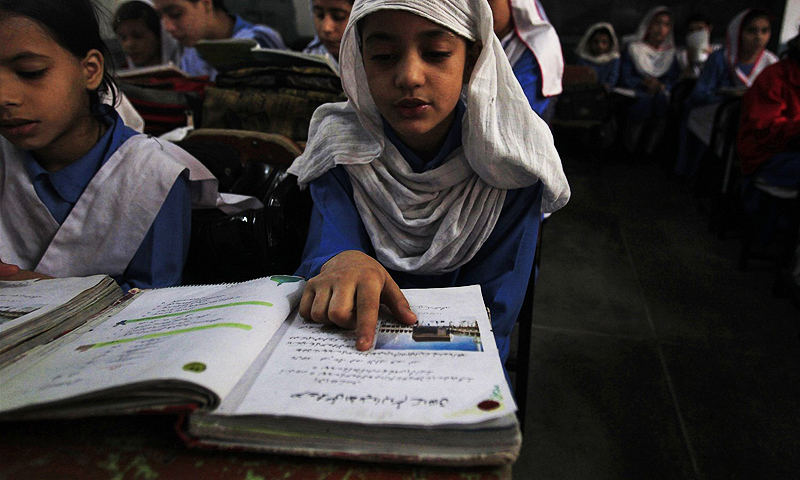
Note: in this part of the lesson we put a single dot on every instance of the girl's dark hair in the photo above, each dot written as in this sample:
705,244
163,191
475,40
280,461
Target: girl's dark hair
134,11
73,25
218,5
755,13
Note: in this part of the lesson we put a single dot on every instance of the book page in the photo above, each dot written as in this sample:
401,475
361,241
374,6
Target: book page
207,335
445,370
26,300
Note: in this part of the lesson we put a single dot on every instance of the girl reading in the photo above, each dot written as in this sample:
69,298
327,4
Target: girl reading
142,37
81,193
434,173
330,19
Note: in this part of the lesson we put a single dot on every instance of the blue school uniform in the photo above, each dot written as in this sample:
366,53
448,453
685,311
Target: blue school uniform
159,260
716,73
647,106
607,73
501,267
529,76
194,65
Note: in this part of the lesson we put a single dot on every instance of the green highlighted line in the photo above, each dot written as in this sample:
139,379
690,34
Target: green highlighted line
235,304
241,326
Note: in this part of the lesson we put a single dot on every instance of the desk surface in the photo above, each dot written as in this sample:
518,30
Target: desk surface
148,448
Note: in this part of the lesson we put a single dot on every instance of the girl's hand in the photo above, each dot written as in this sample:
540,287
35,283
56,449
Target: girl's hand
348,292
653,86
7,270
13,272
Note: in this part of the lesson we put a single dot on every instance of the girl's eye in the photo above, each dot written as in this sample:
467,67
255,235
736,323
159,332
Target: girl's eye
32,75
439,54
381,57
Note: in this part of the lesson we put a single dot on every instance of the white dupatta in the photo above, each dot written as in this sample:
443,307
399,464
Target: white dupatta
434,222
533,31
732,39
649,61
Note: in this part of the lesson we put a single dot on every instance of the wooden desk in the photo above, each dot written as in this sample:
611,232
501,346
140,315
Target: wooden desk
148,448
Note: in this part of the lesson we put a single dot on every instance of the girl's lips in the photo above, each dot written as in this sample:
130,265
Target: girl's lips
412,109
19,129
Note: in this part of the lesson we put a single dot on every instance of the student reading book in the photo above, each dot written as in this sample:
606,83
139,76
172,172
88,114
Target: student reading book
437,173
80,192
433,393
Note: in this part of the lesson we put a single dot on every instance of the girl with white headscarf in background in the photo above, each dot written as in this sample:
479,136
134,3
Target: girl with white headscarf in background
533,49
599,50
650,68
434,173
732,68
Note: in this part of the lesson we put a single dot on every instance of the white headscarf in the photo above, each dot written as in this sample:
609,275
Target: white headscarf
732,39
170,48
533,31
582,50
435,221
649,61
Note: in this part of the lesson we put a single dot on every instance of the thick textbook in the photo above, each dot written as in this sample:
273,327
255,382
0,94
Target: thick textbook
256,376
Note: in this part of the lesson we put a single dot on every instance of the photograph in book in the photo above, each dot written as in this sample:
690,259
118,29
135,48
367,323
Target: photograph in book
431,334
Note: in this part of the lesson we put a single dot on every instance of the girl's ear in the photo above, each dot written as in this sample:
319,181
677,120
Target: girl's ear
473,51
93,68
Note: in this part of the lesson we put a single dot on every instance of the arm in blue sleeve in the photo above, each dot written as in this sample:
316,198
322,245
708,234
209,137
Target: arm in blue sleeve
267,37
612,76
335,223
710,79
161,256
628,77
669,78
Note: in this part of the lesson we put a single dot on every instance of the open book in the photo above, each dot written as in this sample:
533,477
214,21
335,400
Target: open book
168,70
256,376
239,52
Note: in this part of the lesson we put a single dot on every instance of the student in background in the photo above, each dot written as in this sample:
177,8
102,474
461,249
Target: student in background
735,67
190,21
599,49
81,193
533,49
648,66
330,20
419,188
142,37
697,47
769,131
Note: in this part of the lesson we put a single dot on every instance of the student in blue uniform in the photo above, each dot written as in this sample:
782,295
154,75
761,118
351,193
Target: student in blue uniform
650,68
330,20
81,193
734,67
421,186
599,49
533,49
142,37
190,21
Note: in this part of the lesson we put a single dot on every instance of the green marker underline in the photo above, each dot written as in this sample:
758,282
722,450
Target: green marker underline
235,304
240,326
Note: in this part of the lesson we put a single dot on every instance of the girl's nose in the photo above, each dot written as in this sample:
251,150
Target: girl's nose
410,72
9,95
328,24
